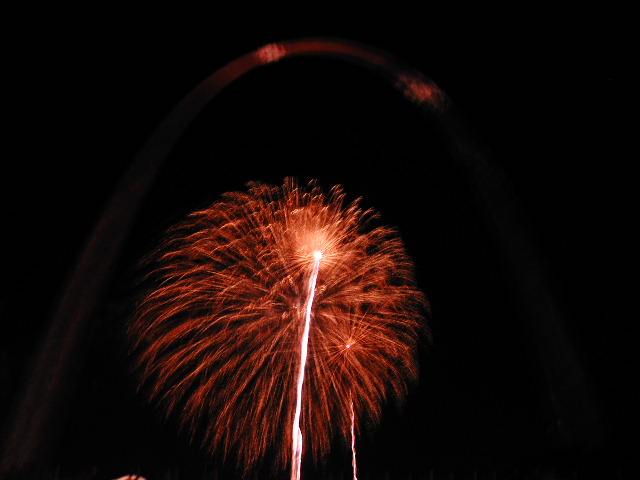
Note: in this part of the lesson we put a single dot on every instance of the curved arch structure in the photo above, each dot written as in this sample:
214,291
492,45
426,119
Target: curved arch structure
41,399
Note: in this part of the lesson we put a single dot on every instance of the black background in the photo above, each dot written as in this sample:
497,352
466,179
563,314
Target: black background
546,92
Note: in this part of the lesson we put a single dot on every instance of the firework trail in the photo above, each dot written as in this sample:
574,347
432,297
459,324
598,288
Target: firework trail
304,347
239,291
353,442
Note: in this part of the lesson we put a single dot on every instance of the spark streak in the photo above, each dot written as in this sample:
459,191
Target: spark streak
297,433
353,440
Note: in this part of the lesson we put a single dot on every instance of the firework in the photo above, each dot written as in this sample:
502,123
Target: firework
278,312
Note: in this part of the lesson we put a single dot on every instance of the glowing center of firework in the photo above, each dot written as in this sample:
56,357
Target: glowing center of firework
297,433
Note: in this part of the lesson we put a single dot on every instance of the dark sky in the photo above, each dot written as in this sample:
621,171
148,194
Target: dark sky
546,95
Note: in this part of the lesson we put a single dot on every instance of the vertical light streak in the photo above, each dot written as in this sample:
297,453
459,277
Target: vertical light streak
297,433
353,439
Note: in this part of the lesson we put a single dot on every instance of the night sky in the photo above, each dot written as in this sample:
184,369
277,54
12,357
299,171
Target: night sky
545,97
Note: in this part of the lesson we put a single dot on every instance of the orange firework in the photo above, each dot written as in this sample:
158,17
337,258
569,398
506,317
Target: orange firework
218,336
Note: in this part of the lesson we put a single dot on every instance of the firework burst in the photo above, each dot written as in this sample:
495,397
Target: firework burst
218,335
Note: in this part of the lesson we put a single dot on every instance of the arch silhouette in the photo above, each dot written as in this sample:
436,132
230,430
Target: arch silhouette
24,441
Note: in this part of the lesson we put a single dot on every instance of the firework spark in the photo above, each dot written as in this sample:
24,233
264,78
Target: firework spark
234,289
